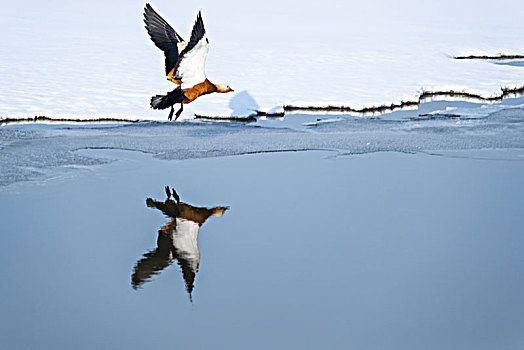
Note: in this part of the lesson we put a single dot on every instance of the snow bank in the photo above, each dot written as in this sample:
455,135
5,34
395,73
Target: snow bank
94,60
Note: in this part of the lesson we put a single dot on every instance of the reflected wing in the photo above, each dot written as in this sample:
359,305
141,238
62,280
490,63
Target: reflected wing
168,208
154,261
163,35
190,66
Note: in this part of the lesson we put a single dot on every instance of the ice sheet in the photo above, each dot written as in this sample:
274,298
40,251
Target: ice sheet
46,151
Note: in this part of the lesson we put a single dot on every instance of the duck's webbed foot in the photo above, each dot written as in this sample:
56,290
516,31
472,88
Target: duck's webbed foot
168,192
179,111
176,196
170,116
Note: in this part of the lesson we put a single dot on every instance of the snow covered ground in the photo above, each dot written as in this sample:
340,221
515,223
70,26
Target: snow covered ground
94,59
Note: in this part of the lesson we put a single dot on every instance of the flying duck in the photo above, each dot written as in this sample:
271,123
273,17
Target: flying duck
184,62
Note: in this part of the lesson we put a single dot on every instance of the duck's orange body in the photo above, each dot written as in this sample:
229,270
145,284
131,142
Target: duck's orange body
200,89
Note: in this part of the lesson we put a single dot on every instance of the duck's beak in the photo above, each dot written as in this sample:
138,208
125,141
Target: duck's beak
231,90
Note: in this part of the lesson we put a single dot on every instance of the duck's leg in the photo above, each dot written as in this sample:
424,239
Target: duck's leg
179,111
170,116
176,196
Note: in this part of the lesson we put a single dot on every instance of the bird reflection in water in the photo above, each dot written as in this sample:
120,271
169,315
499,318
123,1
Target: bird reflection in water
177,240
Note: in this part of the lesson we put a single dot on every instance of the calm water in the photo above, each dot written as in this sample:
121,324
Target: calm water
382,251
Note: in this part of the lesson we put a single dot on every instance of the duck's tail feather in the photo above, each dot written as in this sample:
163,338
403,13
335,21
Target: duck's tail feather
166,101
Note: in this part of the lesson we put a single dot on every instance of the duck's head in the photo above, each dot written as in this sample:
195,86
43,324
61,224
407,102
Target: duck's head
224,88
218,211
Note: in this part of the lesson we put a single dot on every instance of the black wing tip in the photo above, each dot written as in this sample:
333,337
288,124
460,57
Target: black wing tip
198,28
159,30
199,18
148,10
198,32
151,15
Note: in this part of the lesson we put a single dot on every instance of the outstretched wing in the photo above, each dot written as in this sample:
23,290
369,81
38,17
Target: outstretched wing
153,262
163,35
190,66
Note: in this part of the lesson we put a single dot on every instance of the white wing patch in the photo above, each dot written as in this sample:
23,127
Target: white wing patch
185,242
190,68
